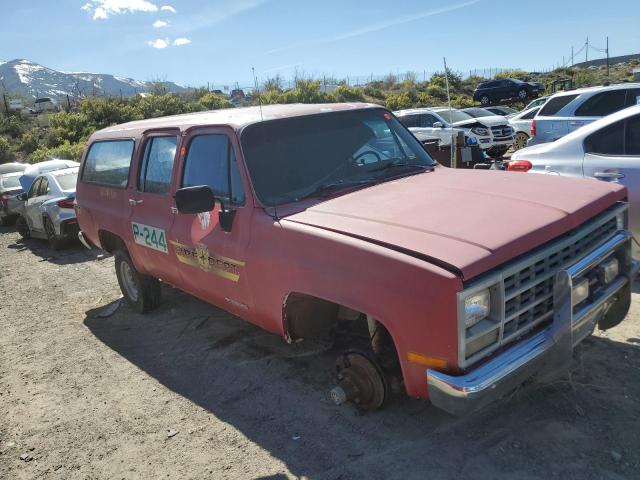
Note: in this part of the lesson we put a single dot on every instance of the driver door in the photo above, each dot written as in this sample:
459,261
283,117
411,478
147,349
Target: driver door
213,260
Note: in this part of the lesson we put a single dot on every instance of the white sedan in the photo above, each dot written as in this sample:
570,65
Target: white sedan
607,150
521,124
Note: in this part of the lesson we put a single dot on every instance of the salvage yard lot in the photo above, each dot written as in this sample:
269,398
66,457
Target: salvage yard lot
190,391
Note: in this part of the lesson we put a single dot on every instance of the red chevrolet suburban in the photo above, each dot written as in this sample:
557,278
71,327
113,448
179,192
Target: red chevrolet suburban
332,222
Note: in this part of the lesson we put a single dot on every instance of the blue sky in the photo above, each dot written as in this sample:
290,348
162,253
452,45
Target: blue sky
218,41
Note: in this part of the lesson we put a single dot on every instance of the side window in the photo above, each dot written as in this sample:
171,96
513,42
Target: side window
555,104
602,104
608,141
108,162
428,120
211,161
157,165
44,188
530,115
633,136
410,120
35,186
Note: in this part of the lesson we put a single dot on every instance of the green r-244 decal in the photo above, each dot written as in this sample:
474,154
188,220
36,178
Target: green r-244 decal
150,237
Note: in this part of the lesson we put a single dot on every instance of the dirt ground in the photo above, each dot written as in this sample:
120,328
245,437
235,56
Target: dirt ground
189,391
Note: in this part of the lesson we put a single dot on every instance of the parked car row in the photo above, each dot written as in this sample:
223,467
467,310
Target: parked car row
493,91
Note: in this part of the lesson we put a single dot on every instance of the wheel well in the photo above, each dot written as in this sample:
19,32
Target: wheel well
111,242
312,318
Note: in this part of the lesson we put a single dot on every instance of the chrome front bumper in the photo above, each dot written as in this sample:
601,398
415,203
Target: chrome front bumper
549,352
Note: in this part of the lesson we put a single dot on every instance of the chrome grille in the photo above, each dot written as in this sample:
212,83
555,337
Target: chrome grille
528,292
522,290
501,131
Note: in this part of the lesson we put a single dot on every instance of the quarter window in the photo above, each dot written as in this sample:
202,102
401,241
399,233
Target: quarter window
555,104
211,161
157,165
108,162
602,104
633,136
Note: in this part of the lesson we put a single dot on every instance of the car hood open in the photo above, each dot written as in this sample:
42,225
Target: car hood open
489,121
465,221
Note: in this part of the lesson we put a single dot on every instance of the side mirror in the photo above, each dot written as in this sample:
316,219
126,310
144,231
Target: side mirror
198,199
23,196
201,199
438,125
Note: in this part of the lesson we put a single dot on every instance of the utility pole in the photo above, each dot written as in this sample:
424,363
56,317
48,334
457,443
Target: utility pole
572,56
6,105
586,51
607,56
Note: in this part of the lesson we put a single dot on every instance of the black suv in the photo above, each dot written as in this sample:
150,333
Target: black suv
490,92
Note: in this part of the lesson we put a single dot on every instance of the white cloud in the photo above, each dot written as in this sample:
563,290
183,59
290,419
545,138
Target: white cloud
159,43
181,41
168,8
160,24
103,9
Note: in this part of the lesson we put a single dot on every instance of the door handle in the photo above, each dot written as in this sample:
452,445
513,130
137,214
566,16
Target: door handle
134,202
608,175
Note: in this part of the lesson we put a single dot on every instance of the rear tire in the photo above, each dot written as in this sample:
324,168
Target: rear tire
522,95
23,227
520,141
142,292
54,241
485,100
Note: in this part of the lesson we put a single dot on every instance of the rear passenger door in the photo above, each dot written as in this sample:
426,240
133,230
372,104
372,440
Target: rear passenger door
612,154
40,196
151,205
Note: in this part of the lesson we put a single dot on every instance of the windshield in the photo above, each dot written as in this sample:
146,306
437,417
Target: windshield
291,158
478,112
453,116
67,181
10,182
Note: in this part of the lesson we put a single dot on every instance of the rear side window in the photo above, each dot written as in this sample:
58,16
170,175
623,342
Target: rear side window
633,97
602,104
157,165
554,105
608,141
211,161
530,115
67,181
11,182
108,162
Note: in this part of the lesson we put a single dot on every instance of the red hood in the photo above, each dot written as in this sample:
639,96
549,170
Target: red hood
469,220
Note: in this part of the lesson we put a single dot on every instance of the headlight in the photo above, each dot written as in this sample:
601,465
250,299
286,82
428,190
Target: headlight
483,132
476,307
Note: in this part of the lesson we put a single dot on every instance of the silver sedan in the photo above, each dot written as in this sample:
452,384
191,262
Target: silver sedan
48,210
607,150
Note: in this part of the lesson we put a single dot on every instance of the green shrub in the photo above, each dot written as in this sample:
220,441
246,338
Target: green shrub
12,125
345,93
400,101
66,151
6,152
436,91
29,142
213,101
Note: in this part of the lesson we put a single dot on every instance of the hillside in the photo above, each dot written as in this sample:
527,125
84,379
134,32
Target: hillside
32,80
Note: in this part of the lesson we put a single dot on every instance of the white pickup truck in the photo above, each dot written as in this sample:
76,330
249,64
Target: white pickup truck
493,134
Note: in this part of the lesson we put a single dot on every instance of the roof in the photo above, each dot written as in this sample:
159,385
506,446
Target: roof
598,88
236,118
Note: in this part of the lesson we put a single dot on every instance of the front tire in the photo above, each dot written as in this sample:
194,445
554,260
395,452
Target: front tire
23,227
140,291
522,95
485,100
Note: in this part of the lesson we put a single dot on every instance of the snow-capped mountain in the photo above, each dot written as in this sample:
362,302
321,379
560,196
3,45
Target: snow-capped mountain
34,80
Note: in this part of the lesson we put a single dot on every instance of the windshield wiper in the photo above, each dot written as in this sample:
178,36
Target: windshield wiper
399,164
333,186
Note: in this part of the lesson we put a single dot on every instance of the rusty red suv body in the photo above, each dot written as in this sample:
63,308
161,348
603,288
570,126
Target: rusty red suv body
406,249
